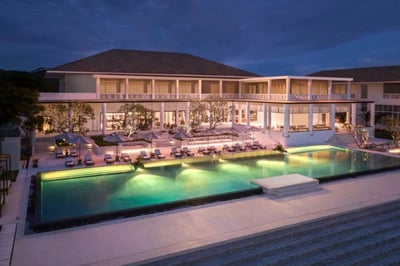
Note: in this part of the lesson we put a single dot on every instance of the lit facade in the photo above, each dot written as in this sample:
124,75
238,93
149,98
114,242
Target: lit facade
292,110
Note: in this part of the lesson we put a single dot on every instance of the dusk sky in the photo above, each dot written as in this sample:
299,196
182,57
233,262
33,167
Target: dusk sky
270,37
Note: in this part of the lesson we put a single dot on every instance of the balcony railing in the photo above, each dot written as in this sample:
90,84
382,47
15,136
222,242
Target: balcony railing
145,96
391,96
112,96
62,96
189,96
280,97
255,96
299,97
167,96
71,96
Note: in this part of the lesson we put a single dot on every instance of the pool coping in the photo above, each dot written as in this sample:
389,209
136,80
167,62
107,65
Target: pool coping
39,226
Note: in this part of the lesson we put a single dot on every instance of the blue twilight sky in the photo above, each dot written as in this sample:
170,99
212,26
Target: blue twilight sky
267,37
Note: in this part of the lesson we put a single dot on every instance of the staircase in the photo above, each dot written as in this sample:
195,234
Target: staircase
341,139
370,236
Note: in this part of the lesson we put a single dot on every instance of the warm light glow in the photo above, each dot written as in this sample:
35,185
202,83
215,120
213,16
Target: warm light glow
270,163
86,172
312,148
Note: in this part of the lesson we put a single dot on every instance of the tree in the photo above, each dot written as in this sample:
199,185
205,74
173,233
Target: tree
218,110
136,116
212,110
19,104
360,135
19,99
129,123
57,116
81,113
197,110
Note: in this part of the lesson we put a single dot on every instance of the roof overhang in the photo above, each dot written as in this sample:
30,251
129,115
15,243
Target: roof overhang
266,79
143,75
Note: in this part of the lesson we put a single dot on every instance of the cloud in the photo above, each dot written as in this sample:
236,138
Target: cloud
248,34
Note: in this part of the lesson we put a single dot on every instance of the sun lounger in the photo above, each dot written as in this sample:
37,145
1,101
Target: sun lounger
88,160
60,154
69,162
144,155
125,157
187,152
158,154
73,152
176,153
108,158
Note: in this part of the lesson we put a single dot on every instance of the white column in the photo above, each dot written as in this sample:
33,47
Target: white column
372,112
269,89
348,90
187,114
103,113
162,115
153,88
126,88
240,90
287,88
177,89
286,122
353,114
266,116
311,118
233,113
332,116
247,113
97,88
309,83
220,88
199,88
329,89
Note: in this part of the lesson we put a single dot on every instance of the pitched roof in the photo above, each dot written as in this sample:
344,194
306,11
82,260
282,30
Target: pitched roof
118,61
367,74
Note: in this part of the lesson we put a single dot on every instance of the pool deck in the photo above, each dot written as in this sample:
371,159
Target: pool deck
149,236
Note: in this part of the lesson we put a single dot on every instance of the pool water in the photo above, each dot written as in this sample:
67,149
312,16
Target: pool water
98,194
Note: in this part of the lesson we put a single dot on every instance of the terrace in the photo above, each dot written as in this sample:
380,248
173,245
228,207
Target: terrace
184,229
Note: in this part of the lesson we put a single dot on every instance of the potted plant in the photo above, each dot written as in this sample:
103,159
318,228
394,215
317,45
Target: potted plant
138,162
279,147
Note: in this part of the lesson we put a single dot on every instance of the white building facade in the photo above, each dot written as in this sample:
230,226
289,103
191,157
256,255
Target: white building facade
291,110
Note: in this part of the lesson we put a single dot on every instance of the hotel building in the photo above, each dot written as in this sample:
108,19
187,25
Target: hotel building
292,110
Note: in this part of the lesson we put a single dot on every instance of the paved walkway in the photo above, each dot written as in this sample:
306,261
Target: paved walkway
141,238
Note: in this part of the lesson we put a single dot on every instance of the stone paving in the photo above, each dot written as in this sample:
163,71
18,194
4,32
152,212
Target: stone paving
143,238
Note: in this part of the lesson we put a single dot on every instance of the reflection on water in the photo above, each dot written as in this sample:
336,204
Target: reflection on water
105,193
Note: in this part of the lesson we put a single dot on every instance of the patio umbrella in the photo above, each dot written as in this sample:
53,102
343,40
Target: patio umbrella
65,136
181,135
149,138
78,140
116,138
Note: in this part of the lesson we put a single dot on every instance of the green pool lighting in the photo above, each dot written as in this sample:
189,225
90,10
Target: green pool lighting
85,172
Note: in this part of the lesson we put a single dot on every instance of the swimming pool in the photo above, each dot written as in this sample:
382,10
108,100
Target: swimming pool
92,194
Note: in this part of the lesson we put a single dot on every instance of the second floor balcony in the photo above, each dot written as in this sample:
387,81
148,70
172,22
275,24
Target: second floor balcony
51,97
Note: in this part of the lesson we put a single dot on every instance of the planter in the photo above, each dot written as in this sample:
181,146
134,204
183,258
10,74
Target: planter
35,163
